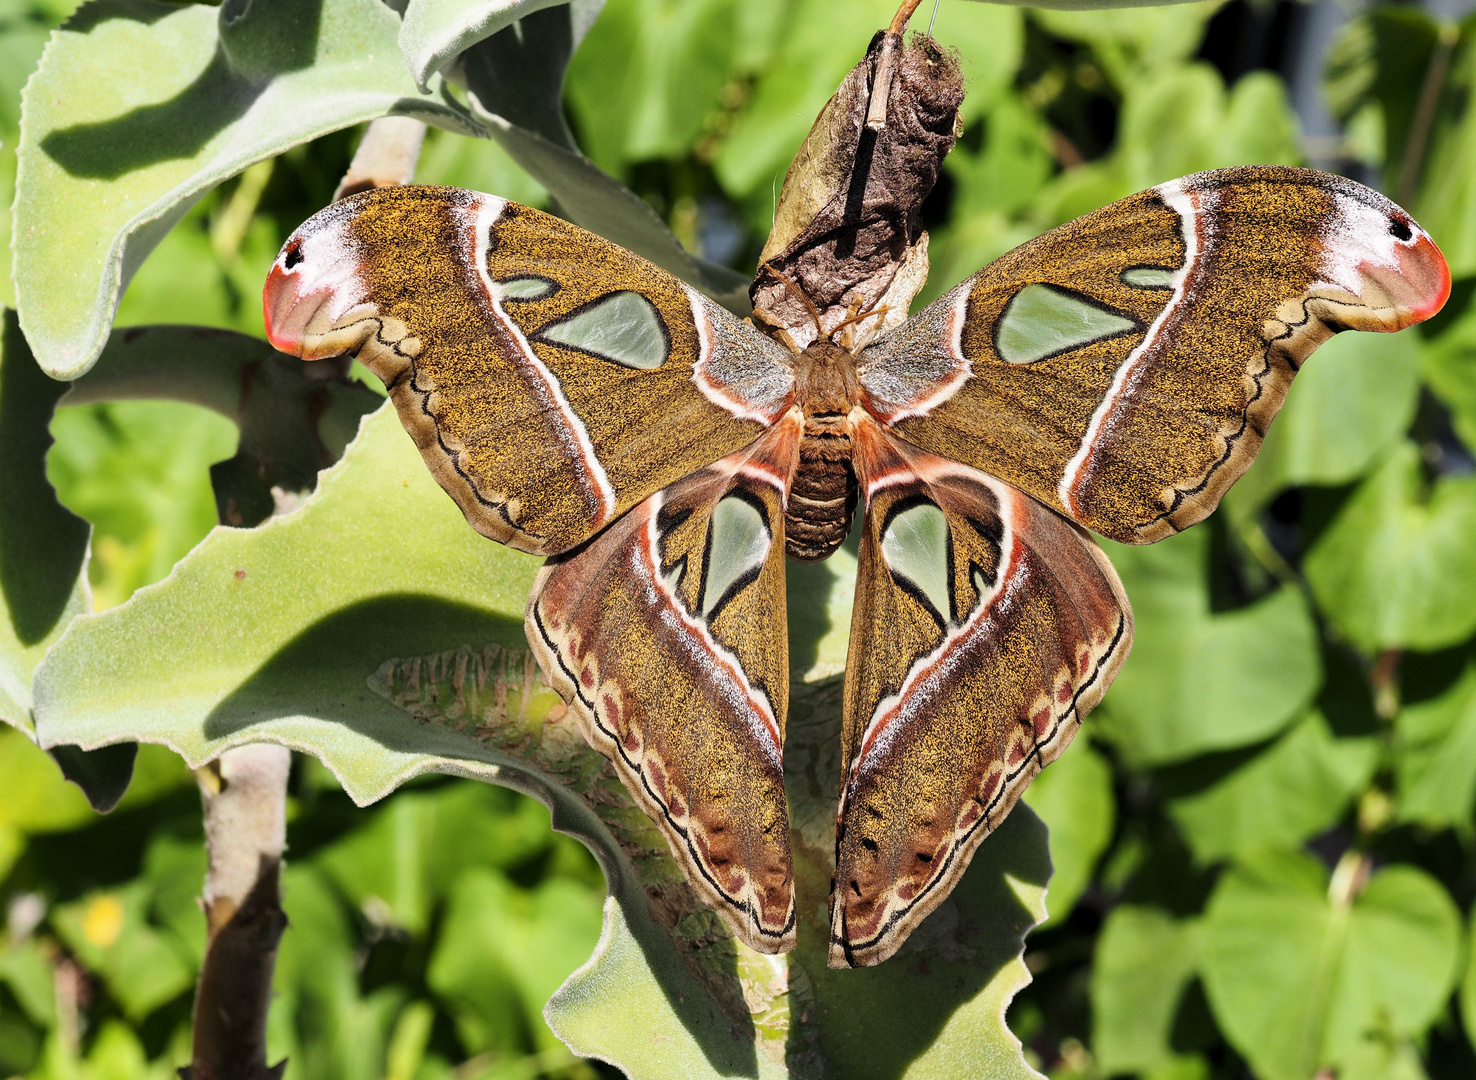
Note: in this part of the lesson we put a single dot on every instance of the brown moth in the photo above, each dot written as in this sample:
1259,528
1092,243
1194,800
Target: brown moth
1116,374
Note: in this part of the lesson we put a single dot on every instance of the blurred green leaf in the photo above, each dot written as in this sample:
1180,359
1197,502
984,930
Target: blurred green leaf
648,75
1293,789
1395,568
1298,980
1074,798
820,42
1355,398
1446,199
1144,960
1450,358
1131,42
533,938
1198,680
403,862
1435,757
28,974
319,1021
140,107
433,34
111,934
141,471
478,165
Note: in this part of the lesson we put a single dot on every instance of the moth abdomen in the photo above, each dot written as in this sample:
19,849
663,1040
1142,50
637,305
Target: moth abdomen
822,498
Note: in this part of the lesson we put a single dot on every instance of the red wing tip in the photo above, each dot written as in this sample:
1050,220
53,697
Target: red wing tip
278,299
1434,260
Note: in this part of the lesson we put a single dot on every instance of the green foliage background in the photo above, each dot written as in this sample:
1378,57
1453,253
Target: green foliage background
1263,839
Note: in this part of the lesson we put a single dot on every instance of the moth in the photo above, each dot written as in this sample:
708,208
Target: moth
1113,376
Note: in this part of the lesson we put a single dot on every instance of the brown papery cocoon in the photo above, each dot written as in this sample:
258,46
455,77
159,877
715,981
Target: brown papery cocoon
846,229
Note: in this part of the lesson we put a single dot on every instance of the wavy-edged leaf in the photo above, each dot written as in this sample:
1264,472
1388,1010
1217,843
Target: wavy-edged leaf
43,546
1396,568
435,32
139,107
1199,680
374,628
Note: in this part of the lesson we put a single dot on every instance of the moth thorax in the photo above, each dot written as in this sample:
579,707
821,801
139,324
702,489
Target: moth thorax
822,498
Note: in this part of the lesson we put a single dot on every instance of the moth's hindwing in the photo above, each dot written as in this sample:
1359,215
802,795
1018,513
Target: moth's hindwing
667,636
551,379
985,627
1123,367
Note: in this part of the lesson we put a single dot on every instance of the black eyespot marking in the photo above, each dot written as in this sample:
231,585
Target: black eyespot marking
924,857
294,256
869,844
1400,230
856,887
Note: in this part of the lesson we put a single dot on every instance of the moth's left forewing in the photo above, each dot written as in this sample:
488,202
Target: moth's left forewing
985,627
667,636
1123,368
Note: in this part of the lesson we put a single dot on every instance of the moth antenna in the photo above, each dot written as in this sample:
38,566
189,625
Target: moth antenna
792,286
861,318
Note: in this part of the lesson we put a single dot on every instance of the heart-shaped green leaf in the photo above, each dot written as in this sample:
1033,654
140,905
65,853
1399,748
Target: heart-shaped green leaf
1184,689
1396,568
139,107
1302,974
1293,789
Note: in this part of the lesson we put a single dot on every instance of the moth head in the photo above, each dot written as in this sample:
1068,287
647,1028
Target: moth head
315,281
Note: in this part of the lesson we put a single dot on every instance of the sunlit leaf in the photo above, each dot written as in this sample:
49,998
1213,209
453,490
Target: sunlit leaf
140,107
1144,960
1299,980
1396,567
1198,680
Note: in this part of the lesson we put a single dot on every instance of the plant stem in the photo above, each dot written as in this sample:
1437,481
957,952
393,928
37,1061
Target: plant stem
385,158
245,797
1424,117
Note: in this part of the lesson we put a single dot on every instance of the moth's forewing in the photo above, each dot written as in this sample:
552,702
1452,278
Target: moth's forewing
1123,368
551,379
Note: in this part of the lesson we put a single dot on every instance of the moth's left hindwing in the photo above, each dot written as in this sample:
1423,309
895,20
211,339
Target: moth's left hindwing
985,627
551,379
667,635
